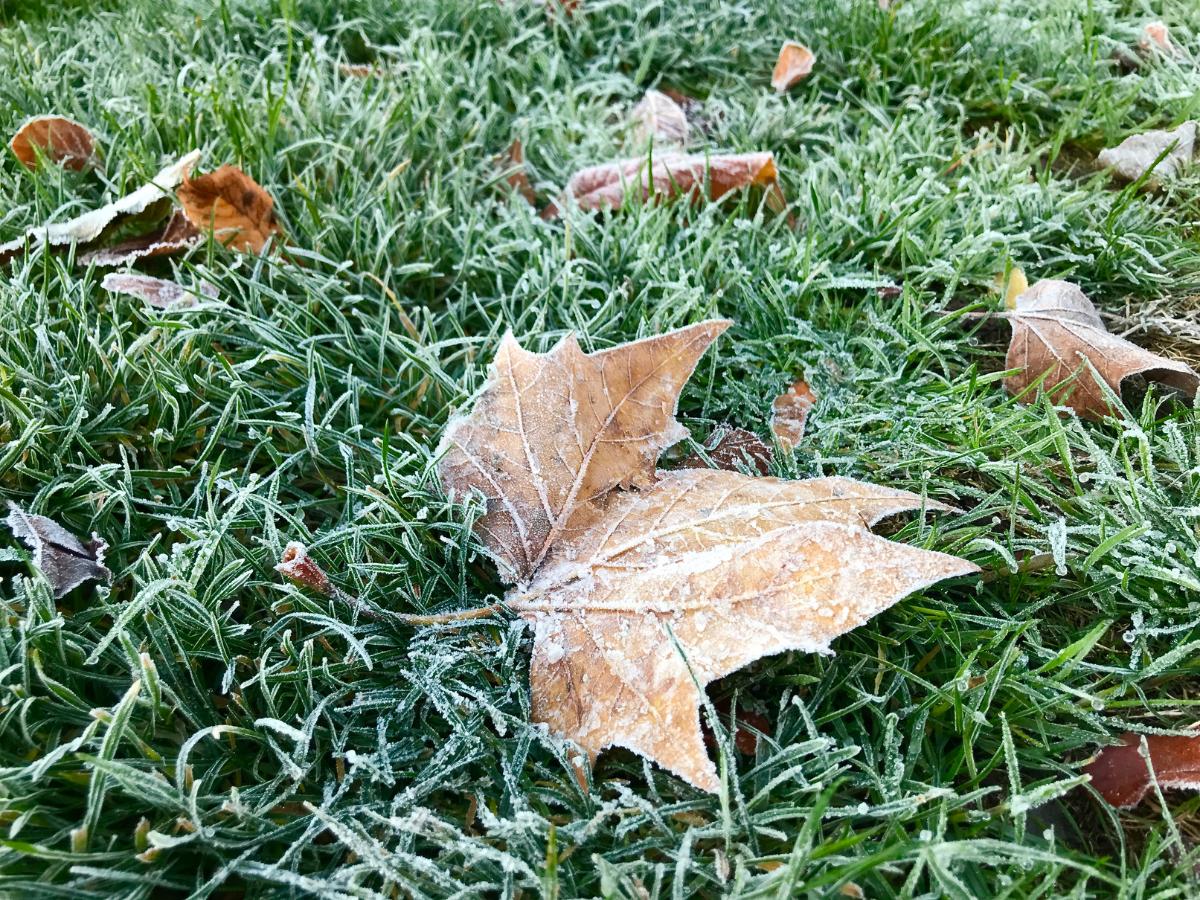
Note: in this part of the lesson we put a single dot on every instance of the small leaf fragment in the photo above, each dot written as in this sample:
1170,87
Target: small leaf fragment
62,558
518,178
1156,38
158,292
56,138
1133,157
231,205
794,64
175,235
789,413
301,569
658,119
1056,333
730,448
1121,773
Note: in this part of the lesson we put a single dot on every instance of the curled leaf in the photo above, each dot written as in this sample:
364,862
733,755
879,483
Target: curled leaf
1133,157
175,235
789,413
62,558
1121,772
668,176
659,119
56,138
158,292
794,64
1057,333
301,569
230,204
730,448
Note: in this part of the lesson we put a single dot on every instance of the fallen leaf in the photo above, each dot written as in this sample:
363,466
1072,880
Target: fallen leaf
1156,38
744,740
157,292
668,176
642,587
794,64
551,432
175,235
1012,288
299,568
1121,773
729,448
659,119
55,138
91,225
1133,157
231,205
358,70
1056,332
518,178
789,412
62,558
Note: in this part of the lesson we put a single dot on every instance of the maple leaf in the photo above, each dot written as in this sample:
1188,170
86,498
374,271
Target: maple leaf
232,205
1133,157
1058,333
552,431
794,64
66,561
640,597
56,138
658,118
1121,773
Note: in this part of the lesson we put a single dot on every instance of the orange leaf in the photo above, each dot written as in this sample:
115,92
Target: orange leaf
1122,774
789,412
56,138
794,63
231,205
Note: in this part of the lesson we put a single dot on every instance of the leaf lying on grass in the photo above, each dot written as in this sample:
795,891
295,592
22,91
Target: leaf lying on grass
230,204
158,292
1133,157
92,225
518,178
1121,772
1056,333
731,448
669,176
62,558
659,119
175,235
639,598
794,64
56,138
789,413
1156,38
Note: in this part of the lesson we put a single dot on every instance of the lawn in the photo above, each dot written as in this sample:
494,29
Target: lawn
200,727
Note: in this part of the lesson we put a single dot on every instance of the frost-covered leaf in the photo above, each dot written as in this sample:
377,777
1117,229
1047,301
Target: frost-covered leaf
1133,157
553,431
729,448
659,119
158,292
301,569
789,413
648,596
794,64
669,176
91,225
1057,333
56,138
62,558
174,235
233,206
1121,772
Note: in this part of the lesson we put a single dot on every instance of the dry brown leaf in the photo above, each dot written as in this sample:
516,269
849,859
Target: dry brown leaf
794,64
1057,332
789,412
175,235
668,176
91,225
659,119
233,206
301,569
730,448
1121,773
553,431
518,178
1133,157
359,70
66,561
1156,38
158,292
638,598
58,139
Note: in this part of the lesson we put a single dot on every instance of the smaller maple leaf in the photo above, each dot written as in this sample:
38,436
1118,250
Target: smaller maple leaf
1057,334
233,206
56,138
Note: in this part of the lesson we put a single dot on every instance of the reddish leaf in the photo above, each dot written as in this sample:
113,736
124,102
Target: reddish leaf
173,236
517,178
299,568
1156,38
794,64
55,138
730,448
1122,774
233,206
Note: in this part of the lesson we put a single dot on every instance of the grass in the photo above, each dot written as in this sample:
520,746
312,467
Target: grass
201,729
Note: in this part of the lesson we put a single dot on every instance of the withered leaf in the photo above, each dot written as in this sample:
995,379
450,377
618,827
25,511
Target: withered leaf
789,413
730,448
301,569
551,432
56,138
794,64
668,176
1121,773
62,558
231,205
640,597
648,596
1057,333
175,235
158,292
659,119
518,178
1156,38
1133,157
91,225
